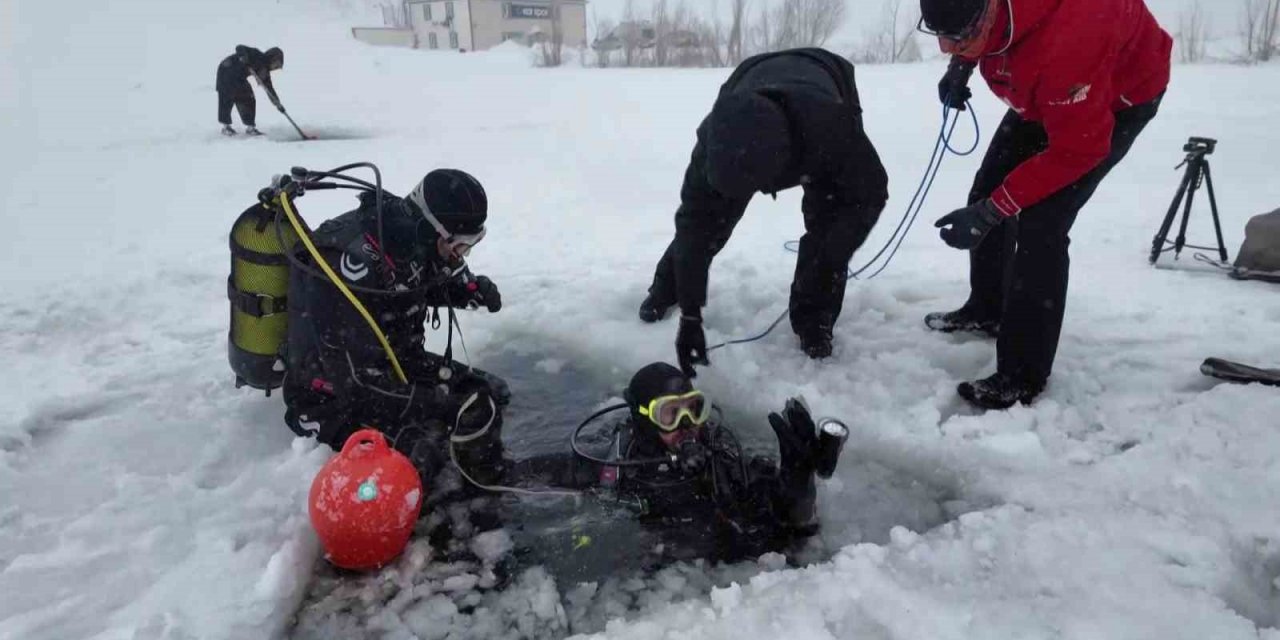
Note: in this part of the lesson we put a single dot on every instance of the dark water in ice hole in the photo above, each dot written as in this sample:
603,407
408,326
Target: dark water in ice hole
581,541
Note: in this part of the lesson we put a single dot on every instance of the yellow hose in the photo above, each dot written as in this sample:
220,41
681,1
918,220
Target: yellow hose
283,199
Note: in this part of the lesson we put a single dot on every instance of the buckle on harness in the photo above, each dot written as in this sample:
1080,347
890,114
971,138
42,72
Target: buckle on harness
257,305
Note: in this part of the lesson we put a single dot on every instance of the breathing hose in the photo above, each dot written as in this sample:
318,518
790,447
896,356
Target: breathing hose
286,205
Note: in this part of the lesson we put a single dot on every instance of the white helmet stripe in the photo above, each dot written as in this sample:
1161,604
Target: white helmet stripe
419,198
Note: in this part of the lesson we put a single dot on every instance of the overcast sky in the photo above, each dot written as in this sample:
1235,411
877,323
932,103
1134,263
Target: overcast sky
863,14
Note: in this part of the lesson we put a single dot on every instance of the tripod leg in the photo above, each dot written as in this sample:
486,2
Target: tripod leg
1194,184
1213,206
1157,245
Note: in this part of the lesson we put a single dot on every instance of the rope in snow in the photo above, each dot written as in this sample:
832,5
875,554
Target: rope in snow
940,150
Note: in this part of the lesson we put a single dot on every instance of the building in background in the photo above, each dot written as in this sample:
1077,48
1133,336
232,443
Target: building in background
475,25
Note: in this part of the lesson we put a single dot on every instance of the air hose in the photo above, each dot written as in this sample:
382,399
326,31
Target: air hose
286,205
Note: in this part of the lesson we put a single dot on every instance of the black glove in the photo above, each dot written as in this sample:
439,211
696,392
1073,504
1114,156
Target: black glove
485,293
965,228
953,89
797,440
691,345
797,436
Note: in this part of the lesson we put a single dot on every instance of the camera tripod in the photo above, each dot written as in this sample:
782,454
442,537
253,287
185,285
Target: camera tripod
1197,164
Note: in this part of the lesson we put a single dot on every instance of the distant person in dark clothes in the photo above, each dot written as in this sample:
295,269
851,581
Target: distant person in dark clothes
233,85
785,119
1082,78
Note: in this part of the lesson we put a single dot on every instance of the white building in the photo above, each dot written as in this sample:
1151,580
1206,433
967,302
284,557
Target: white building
473,25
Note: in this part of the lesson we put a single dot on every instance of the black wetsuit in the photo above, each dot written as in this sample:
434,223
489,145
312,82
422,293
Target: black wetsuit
339,378
743,505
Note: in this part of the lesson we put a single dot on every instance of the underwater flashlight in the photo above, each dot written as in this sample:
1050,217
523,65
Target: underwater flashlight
832,435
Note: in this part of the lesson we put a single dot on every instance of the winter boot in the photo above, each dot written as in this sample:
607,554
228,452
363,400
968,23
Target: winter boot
654,308
963,319
252,131
228,130
815,340
999,391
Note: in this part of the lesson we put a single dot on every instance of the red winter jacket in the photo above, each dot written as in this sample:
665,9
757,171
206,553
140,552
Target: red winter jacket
1070,65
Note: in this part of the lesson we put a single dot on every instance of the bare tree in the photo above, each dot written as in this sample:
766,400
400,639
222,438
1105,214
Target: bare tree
906,48
816,20
711,35
893,40
1260,29
662,27
630,39
762,32
602,45
1269,34
737,30
712,38
1193,33
686,37
552,45
798,23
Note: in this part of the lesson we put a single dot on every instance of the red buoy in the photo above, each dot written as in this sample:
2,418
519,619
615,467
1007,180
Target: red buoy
364,503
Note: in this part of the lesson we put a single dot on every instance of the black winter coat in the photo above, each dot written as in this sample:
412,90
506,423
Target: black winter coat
235,69
833,159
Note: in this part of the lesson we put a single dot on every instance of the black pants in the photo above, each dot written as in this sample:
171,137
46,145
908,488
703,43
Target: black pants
1019,272
817,288
242,98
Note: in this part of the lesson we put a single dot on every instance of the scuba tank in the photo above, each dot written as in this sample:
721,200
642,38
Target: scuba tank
258,288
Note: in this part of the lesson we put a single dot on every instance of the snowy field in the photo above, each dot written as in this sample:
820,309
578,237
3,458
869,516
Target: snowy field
145,498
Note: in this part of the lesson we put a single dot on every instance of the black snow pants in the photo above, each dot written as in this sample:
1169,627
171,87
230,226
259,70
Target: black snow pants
1019,273
241,96
817,289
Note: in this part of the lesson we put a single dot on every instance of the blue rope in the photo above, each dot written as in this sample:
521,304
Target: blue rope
940,150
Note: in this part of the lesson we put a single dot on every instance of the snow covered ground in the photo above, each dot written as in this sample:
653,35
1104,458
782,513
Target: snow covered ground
144,497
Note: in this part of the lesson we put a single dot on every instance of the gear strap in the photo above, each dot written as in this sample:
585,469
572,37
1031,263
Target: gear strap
257,305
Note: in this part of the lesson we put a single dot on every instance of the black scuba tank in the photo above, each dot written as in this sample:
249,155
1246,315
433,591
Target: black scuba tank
258,288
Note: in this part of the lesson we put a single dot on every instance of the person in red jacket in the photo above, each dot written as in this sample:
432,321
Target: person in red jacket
1082,78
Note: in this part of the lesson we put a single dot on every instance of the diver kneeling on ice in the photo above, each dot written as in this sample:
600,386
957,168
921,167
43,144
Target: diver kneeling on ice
675,461
403,259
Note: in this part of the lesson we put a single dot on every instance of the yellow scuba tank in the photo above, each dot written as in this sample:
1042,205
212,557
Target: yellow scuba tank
257,289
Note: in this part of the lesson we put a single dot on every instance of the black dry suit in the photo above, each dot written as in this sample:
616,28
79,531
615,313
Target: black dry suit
818,143
233,83
339,378
712,495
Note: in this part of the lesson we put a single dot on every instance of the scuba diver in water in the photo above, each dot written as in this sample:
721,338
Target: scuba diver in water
404,260
684,471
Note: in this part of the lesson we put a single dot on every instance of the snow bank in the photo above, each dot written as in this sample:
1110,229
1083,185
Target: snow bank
145,497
